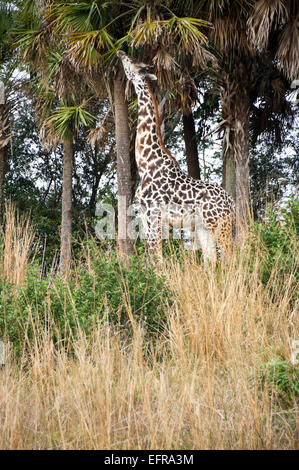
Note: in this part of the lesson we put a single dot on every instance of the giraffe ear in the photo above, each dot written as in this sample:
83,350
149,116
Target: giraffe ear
145,70
151,76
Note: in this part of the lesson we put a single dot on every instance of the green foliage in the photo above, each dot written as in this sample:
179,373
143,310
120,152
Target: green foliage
174,247
67,118
282,378
277,238
105,292
273,170
6,26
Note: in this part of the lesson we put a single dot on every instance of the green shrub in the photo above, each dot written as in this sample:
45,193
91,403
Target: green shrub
107,291
281,377
276,239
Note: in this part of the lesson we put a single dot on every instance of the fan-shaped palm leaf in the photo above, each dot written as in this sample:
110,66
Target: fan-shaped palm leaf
67,118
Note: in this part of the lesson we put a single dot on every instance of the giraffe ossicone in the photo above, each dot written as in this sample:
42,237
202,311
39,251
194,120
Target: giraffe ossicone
166,194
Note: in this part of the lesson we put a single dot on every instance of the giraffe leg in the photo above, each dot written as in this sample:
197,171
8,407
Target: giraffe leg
153,228
154,248
207,243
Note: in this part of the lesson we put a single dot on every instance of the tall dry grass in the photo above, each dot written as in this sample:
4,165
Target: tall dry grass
17,245
198,389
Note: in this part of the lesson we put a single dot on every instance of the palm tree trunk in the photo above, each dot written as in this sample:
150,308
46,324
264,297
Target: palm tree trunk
191,147
66,215
242,168
94,191
235,147
4,139
229,165
124,180
2,175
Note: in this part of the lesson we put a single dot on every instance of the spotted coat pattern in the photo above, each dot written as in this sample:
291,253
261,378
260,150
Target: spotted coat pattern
166,193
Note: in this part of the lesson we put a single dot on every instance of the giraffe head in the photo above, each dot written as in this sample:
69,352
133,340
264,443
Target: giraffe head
136,72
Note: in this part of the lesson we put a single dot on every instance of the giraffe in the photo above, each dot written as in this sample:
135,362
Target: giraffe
166,194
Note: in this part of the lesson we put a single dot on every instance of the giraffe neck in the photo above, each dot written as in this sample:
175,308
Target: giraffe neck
150,150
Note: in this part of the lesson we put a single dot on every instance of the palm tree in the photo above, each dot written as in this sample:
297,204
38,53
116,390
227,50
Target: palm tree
59,90
250,38
61,126
6,68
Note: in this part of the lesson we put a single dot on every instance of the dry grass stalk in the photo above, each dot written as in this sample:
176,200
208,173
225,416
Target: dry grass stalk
17,242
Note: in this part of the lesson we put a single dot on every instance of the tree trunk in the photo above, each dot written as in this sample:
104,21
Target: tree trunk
229,165
66,214
191,146
235,147
94,192
242,168
124,180
4,139
2,175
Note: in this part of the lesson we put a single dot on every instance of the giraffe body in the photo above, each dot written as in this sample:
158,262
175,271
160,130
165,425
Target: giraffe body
167,196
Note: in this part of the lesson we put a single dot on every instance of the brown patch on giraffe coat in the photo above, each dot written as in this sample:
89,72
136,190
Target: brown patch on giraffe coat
151,166
148,120
138,148
146,181
142,165
143,128
146,152
152,157
204,195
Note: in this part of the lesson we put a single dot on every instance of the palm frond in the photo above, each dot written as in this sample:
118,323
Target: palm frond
31,44
288,50
78,16
87,48
218,8
67,118
6,25
98,135
187,31
54,59
46,101
230,35
184,32
265,15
